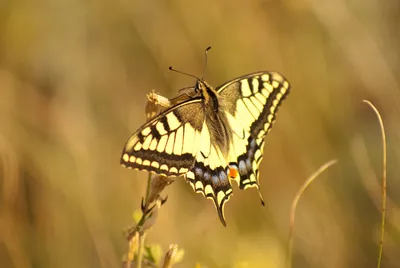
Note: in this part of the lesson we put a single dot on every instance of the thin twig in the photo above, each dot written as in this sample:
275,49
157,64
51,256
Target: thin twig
142,234
383,180
296,201
139,257
146,198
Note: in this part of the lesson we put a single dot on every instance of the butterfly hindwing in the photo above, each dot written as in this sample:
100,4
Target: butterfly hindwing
209,177
168,143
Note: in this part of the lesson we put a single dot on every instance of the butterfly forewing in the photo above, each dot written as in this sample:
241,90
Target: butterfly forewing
168,143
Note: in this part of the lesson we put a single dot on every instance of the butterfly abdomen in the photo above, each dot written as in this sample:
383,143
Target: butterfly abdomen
216,120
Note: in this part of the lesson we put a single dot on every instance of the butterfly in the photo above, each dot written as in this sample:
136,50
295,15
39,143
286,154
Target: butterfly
213,137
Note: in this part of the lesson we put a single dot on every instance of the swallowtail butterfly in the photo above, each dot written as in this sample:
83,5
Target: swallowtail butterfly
213,137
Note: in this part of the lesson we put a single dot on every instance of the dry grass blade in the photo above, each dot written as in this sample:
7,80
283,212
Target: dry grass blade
296,201
383,180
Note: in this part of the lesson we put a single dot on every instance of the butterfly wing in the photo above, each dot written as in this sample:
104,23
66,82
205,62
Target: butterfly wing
209,175
251,104
168,143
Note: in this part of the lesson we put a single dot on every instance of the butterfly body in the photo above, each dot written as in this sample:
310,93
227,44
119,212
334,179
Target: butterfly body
210,135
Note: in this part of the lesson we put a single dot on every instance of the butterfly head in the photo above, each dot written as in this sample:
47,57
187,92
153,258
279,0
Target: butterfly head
208,93
200,87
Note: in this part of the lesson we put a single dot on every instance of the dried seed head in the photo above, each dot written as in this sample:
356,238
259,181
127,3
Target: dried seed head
155,104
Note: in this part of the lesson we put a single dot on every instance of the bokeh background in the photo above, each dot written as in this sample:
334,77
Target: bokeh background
73,82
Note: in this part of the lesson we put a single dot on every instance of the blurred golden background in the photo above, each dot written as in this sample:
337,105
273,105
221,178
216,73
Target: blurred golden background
73,82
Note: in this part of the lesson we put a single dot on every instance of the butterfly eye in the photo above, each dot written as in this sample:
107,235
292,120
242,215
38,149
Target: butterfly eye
197,87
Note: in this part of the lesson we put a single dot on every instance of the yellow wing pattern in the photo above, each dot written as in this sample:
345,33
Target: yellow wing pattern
207,140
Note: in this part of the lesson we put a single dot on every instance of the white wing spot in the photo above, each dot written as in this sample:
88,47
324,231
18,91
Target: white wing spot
138,146
190,175
132,159
253,110
189,137
178,141
146,131
270,118
164,167
199,186
257,154
261,98
286,85
173,170
246,181
173,121
208,190
153,144
170,144
267,126
261,134
220,197
268,87
160,128
265,77
256,103
254,166
243,114
162,143
183,170
155,164
125,157
255,84
275,84
265,92
139,161
146,163
245,88
146,142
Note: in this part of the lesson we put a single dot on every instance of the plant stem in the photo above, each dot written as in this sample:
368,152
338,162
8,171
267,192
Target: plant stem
142,234
139,258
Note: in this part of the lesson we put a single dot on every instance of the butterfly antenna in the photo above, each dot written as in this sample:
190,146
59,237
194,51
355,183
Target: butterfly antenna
179,72
205,63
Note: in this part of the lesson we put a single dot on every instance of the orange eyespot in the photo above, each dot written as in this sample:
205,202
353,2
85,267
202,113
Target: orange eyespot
233,172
